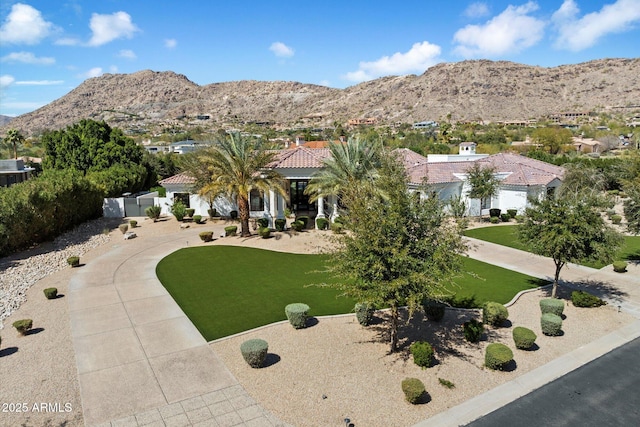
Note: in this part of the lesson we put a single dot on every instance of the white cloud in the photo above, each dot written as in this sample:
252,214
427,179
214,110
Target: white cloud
6,80
509,32
170,43
94,72
107,28
127,53
67,41
420,57
476,10
282,50
25,24
39,82
324,83
577,34
27,58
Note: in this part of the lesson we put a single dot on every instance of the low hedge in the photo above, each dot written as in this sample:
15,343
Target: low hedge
619,266
264,232
364,312
230,230
473,330
585,299
413,389
494,220
505,217
280,224
51,293
263,222
523,338
206,236
552,305
422,353
497,356
23,325
434,310
322,223
297,313
551,324
512,212
304,219
254,352
494,313
297,225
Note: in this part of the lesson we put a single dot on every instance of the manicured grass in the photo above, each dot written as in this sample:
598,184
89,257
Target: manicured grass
506,235
227,289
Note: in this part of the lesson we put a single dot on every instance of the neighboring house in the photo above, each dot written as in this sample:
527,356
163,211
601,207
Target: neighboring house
521,178
13,171
186,146
586,145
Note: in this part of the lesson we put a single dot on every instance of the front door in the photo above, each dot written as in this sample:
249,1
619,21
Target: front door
300,201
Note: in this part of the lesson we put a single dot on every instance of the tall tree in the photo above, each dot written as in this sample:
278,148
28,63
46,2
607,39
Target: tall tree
567,230
238,165
482,181
582,182
14,139
399,249
552,138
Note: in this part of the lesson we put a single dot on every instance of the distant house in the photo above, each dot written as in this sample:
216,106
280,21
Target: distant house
14,171
586,145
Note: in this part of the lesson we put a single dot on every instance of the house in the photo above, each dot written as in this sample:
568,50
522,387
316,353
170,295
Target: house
520,178
586,145
13,171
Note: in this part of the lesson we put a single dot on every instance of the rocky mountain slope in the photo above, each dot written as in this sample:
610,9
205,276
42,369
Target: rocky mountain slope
468,90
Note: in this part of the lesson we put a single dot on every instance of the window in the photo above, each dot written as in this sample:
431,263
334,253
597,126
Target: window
256,201
182,197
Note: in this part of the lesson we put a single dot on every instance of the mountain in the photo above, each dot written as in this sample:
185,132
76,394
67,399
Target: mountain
468,90
4,120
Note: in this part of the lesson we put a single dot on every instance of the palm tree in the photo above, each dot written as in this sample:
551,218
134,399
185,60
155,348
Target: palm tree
238,165
349,164
14,138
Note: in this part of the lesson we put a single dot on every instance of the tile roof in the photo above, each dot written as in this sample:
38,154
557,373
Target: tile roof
437,173
524,170
301,157
181,178
409,158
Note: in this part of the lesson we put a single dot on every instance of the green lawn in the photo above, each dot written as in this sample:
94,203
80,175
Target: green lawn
506,235
227,289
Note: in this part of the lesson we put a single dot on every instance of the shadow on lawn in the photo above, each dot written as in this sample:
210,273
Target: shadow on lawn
605,290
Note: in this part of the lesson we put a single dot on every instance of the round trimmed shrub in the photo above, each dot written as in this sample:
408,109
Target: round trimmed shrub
123,228
494,313
197,219
322,223
233,214
524,338
337,228
206,236
133,223
297,225
505,217
585,299
494,220
189,212
254,352
494,213
434,310
619,266
364,312
73,261
23,325
422,353
304,219
263,222
473,330
51,293
552,305
264,232
280,224
497,356
551,324
616,219
230,230
413,390
212,212
297,313
512,212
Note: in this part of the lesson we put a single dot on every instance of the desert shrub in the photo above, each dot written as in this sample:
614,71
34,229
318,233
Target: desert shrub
73,261
297,225
179,210
23,325
434,310
497,356
610,213
153,212
206,236
551,324
212,212
524,338
51,293
280,224
264,232
494,212
133,223
304,219
233,214
585,299
337,228
619,266
230,230
446,383
197,219
297,313
552,305
494,220
322,223
422,353
494,313
512,212
616,219
519,219
189,212
123,228
505,217
254,352
473,330
364,312
263,222
413,390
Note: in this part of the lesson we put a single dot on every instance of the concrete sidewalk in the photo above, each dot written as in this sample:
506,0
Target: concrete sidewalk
140,360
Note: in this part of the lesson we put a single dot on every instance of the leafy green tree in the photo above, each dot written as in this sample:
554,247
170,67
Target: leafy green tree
399,249
632,206
567,230
582,182
14,139
238,165
482,181
552,138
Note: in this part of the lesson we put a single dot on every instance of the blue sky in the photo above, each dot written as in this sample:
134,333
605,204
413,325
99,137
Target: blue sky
47,48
